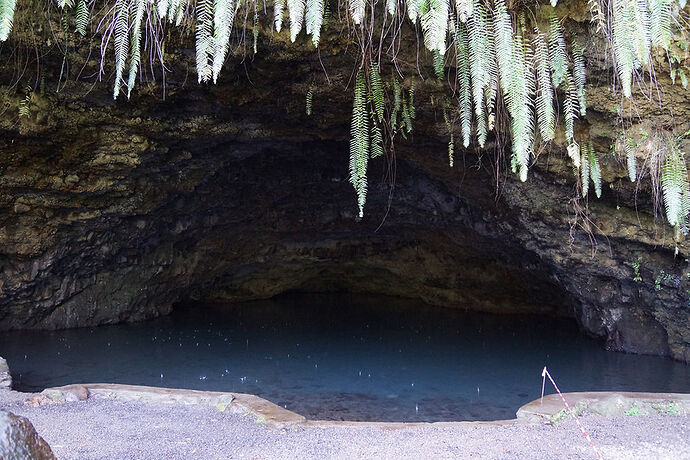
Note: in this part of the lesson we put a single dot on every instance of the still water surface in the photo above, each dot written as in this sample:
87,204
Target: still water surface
335,356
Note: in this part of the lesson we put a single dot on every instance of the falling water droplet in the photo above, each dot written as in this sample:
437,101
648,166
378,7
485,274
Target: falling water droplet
416,408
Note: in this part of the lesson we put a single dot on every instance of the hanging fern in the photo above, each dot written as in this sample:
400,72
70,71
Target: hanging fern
464,9
630,158
520,105
310,96
7,8
624,30
579,76
314,19
546,116
570,107
674,185
584,170
135,48
278,8
205,43
434,19
357,10
391,6
359,142
376,94
557,52
121,42
223,17
296,13
81,17
660,19
376,149
594,169
462,63
451,149
481,57
573,150
397,104
413,7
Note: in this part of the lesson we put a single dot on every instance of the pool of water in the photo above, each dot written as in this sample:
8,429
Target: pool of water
342,357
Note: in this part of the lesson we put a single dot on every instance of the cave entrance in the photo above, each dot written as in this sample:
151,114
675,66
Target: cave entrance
339,356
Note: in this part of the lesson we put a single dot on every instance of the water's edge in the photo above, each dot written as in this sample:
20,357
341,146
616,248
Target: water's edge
549,410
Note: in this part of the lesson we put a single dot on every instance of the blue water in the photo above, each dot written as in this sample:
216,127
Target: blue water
343,357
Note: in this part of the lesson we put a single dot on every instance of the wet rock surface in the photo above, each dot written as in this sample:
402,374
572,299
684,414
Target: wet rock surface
5,376
114,211
20,441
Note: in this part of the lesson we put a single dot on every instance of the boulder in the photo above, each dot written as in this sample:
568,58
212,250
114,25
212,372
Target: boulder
20,441
5,377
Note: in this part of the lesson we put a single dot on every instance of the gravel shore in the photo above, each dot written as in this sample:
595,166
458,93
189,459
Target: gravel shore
112,429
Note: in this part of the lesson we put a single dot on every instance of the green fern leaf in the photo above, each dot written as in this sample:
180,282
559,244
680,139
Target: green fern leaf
546,116
296,13
462,63
660,20
314,20
413,7
464,9
624,31
451,149
357,10
7,8
309,98
594,169
376,137
397,104
557,52
574,153
584,170
570,107
81,18
579,76
359,142
377,95
481,64
223,17
121,32
630,158
435,25
278,8
674,185
204,40
391,6
135,48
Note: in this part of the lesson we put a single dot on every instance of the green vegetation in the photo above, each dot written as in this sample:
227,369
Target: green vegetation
635,411
513,62
564,414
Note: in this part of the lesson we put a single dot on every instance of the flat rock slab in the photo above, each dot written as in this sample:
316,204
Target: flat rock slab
263,411
20,441
5,377
606,403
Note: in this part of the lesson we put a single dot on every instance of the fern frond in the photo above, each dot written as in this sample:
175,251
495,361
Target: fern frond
309,98
630,158
135,48
359,142
314,19
439,64
278,8
296,13
81,17
435,25
223,17
594,169
660,20
584,170
451,149
357,10
413,7
410,105
624,30
641,38
121,33
65,3
204,40
376,137
557,52
464,9
481,57
579,76
674,185
7,8
546,116
391,6
574,153
377,95
503,37
520,105
462,64
570,107
397,104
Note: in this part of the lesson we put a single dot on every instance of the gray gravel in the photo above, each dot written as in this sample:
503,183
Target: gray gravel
111,429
